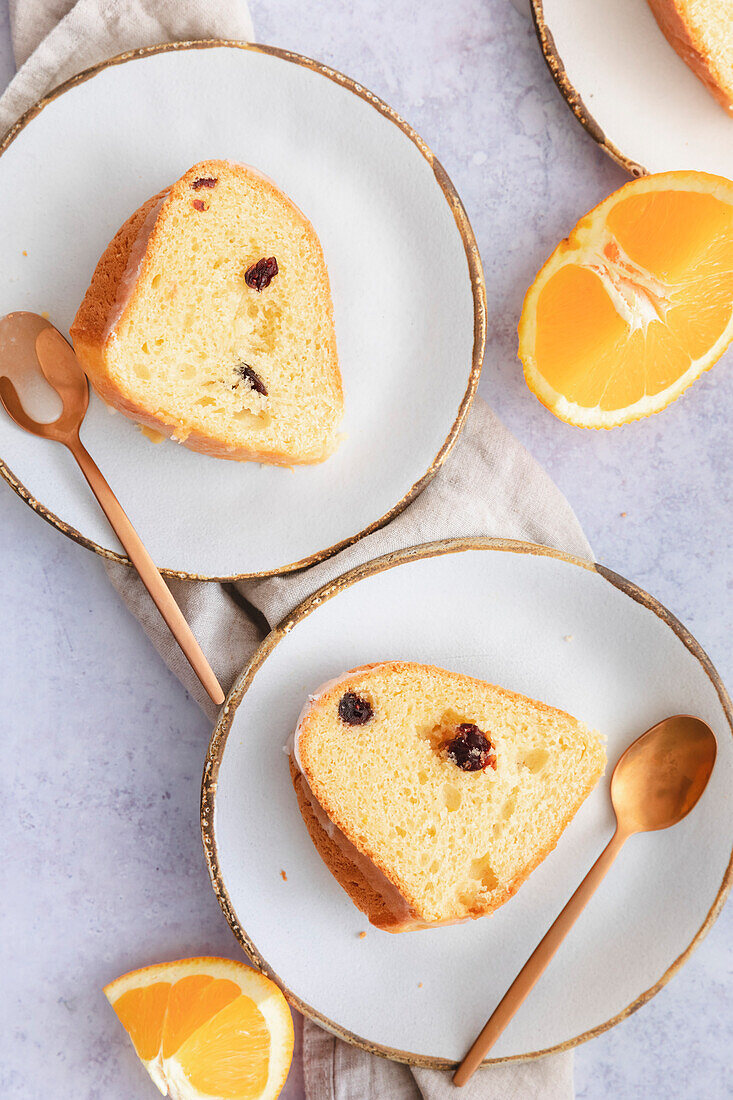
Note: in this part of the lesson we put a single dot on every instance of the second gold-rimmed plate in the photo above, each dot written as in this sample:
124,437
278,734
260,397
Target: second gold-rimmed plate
628,87
570,633
406,280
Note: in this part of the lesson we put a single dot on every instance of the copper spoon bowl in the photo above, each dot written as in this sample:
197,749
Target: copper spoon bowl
27,340
656,783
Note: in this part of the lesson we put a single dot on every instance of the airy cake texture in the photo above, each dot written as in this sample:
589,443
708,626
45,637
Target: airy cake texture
209,319
432,796
701,31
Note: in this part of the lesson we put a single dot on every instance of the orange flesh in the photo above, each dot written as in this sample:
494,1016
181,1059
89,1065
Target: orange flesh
142,1012
669,232
665,259
217,1034
229,1056
192,1002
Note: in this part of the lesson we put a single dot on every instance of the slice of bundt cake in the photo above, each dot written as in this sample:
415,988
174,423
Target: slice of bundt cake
432,796
209,319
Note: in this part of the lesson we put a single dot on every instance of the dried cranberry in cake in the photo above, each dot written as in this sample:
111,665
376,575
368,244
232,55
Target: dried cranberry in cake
250,375
204,181
199,204
261,274
470,749
354,710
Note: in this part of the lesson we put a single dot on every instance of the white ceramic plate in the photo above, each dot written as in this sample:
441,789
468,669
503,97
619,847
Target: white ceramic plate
629,88
405,274
538,623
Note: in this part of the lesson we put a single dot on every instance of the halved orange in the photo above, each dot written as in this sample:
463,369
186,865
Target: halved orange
207,1029
635,304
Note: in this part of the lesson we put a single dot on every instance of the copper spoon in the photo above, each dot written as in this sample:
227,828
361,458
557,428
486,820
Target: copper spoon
655,784
21,333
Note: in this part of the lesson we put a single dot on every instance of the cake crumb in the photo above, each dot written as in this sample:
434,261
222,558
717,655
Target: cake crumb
283,876
362,935
419,985
623,515
151,434
46,315
25,252
568,637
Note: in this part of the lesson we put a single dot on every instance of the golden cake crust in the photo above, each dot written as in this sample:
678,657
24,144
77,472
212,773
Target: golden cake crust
346,873
90,329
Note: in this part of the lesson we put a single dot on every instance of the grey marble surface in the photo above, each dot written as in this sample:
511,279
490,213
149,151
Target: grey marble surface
102,749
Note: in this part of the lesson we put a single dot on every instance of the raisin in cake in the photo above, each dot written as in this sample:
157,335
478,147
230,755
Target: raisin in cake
209,319
432,796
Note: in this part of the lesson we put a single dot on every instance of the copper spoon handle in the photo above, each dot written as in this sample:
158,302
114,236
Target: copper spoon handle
538,960
145,566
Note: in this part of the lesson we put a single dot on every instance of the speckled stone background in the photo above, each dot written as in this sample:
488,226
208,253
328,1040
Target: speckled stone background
102,749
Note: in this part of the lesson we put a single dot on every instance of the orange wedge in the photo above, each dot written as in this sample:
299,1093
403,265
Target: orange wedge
207,1029
635,304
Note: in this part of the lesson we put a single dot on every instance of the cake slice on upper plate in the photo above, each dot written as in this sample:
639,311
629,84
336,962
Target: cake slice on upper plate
432,796
209,319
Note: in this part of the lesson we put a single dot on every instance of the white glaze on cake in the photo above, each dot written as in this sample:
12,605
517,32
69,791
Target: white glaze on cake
133,267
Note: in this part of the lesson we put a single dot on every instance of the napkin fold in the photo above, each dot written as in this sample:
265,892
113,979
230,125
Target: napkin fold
488,485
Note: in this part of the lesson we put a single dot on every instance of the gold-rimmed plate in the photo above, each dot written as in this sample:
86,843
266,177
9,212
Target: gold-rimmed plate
406,277
566,631
627,86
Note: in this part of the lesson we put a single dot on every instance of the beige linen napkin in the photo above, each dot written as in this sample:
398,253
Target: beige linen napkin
489,485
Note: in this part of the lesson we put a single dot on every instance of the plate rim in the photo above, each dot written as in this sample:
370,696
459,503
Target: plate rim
220,734
572,96
473,260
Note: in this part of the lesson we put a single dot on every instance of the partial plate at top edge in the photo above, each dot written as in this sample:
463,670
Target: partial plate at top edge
630,90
